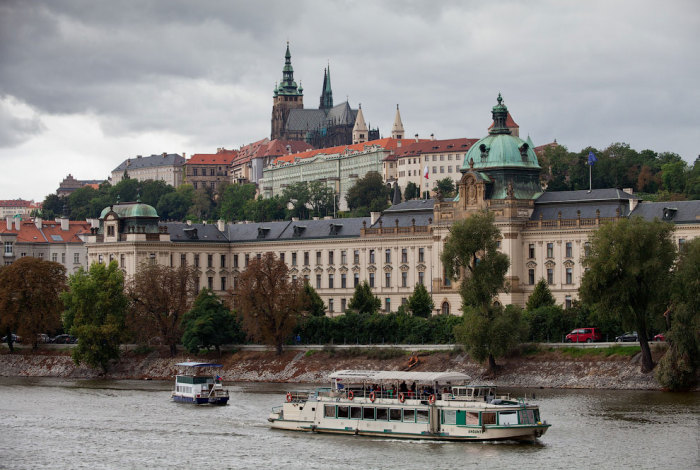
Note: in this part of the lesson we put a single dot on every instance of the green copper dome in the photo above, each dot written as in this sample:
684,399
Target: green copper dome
131,210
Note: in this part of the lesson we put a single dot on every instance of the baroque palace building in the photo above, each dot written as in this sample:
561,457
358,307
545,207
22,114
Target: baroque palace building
544,234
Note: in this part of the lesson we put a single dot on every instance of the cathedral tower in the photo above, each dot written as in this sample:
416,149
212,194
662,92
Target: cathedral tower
359,131
286,96
397,131
326,102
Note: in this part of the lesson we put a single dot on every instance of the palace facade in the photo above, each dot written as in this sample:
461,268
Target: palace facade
543,233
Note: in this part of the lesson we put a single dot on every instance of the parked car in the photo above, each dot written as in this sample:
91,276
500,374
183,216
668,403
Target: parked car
15,338
64,339
43,338
660,337
628,337
584,335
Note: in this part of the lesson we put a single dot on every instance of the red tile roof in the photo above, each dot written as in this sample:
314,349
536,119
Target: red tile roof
436,146
16,203
29,233
221,157
386,143
267,148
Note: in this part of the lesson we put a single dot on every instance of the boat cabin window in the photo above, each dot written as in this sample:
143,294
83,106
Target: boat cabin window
409,416
488,418
472,418
506,418
343,411
368,413
355,412
329,411
449,417
188,379
395,414
382,414
526,417
422,416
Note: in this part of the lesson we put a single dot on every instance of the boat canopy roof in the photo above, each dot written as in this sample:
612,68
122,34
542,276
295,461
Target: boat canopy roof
385,375
197,364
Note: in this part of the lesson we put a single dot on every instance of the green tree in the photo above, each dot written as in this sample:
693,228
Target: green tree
677,370
269,303
53,206
202,207
472,247
209,324
674,176
629,263
420,303
313,304
30,301
445,187
363,300
152,191
95,312
541,296
368,194
233,199
79,203
160,296
125,191
322,199
175,205
265,209
411,191
298,196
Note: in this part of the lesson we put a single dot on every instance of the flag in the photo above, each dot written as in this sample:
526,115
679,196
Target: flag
591,158
425,172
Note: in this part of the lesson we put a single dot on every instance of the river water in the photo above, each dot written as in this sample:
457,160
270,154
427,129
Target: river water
58,423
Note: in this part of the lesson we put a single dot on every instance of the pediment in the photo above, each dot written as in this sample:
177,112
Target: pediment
318,269
330,269
343,269
420,267
404,267
388,268
531,264
294,271
550,263
306,271
568,263
356,269
372,268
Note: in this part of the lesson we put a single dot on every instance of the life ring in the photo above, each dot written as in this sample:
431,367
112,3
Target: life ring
350,395
372,396
289,397
431,399
402,397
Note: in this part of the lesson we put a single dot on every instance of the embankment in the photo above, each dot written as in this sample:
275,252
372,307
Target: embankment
548,369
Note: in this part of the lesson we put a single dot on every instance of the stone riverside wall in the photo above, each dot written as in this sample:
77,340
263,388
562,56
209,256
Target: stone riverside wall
545,369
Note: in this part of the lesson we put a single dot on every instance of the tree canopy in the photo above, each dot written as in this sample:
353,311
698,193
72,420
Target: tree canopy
95,313
540,297
270,304
160,296
313,304
445,188
629,266
420,303
30,303
412,191
368,194
487,330
363,300
209,324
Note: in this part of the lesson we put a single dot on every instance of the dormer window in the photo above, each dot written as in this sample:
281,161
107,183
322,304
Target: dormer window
669,213
262,232
299,230
335,229
523,151
484,152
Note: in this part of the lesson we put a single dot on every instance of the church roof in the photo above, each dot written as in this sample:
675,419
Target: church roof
312,119
166,159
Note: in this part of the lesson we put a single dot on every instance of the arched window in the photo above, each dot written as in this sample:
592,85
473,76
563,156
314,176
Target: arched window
446,308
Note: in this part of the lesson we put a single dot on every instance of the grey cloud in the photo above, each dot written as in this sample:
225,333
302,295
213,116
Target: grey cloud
16,129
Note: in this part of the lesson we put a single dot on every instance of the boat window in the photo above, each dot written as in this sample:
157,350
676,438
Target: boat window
329,411
422,416
409,416
488,418
449,417
472,417
355,412
526,417
537,415
382,414
343,411
368,413
395,414
506,418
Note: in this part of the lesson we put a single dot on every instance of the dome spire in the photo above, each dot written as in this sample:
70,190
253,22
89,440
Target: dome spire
500,114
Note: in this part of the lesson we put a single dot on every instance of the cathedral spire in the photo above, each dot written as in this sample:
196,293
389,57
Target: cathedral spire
397,131
326,101
500,114
359,131
288,86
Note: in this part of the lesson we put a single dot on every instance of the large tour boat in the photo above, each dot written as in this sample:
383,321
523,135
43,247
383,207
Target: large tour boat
413,405
197,386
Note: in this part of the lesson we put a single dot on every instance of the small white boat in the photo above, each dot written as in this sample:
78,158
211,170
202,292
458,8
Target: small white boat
412,405
198,387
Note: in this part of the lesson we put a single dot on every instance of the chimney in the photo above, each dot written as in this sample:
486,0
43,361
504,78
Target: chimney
183,155
432,136
633,204
37,222
373,217
398,143
18,221
8,219
628,190
221,225
65,224
138,156
416,137
165,154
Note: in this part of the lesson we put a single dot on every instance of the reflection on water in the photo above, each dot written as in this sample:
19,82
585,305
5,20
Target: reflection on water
59,423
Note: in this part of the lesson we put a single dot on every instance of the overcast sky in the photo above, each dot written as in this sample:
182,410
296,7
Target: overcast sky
86,84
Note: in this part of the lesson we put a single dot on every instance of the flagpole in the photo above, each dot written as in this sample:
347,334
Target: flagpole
590,177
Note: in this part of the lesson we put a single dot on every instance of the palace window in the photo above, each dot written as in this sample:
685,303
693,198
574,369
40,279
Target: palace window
404,279
235,261
331,258
387,305
196,261
531,251
318,257
210,261
567,301
387,255
421,277
223,283
531,276
76,258
404,255
342,305
550,276
282,256
371,280
344,281
421,255
569,250
356,280
356,257
330,305
343,257
306,258
183,260
387,279
318,281
569,275
294,258
54,257
330,281
223,262
371,256
550,250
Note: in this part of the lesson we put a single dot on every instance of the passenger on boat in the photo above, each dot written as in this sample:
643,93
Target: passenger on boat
403,388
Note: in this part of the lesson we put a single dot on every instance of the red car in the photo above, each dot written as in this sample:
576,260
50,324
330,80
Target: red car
584,335
660,337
